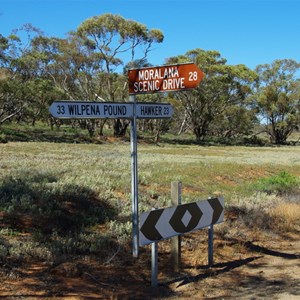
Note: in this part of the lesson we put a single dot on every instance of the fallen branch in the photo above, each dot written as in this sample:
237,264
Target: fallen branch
108,261
99,282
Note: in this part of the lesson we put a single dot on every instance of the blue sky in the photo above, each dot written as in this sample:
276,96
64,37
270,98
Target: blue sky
249,32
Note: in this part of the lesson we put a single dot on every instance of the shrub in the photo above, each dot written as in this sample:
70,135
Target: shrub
286,217
38,201
278,184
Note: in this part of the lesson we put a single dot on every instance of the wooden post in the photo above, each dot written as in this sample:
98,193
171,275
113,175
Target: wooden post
176,240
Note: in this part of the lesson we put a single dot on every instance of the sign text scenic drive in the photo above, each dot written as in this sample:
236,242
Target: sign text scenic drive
164,78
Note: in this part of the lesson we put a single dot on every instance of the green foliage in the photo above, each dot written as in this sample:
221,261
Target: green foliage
121,230
223,90
281,183
81,243
113,34
277,98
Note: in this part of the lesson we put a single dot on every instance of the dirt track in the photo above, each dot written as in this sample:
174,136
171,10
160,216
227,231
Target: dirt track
269,272
264,269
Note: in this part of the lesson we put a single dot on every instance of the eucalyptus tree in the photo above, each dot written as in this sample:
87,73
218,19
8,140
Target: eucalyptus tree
277,98
24,87
73,69
4,45
13,81
87,64
116,39
223,87
10,105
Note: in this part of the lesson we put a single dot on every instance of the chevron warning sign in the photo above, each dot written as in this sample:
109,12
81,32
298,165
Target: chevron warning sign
167,222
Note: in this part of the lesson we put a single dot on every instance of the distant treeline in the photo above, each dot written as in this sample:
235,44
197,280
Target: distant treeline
91,64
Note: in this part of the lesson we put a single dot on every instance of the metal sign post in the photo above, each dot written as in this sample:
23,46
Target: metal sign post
154,264
154,80
210,245
134,181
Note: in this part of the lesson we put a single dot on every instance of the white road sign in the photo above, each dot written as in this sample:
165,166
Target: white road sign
90,110
154,110
112,110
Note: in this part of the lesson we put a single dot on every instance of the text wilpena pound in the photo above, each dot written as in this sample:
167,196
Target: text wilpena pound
90,110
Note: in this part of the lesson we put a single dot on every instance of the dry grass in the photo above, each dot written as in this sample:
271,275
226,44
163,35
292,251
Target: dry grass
286,217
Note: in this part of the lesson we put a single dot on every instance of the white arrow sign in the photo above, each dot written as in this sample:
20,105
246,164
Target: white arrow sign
159,224
112,110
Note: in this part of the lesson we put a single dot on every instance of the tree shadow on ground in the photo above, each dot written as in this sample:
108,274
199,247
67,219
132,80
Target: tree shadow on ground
212,272
260,249
52,215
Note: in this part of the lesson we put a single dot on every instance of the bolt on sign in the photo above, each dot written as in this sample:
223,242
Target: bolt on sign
160,224
164,78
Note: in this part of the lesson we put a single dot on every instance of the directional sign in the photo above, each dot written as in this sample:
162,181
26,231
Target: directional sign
154,110
113,110
164,78
164,223
90,110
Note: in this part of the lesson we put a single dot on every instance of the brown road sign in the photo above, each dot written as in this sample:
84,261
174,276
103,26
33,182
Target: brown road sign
164,78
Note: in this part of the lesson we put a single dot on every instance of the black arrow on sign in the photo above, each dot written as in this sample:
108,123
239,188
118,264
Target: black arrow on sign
217,209
148,228
176,220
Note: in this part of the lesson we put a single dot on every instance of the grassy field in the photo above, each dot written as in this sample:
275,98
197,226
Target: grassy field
61,202
105,168
84,171
74,187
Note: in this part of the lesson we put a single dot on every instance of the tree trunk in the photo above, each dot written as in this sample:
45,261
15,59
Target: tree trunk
120,127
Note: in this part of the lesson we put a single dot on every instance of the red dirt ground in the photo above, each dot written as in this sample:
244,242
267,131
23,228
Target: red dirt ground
267,268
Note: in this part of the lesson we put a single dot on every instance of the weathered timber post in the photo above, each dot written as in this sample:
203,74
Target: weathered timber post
176,188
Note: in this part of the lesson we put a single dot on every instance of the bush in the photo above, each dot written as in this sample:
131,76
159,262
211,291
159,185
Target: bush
279,184
39,202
